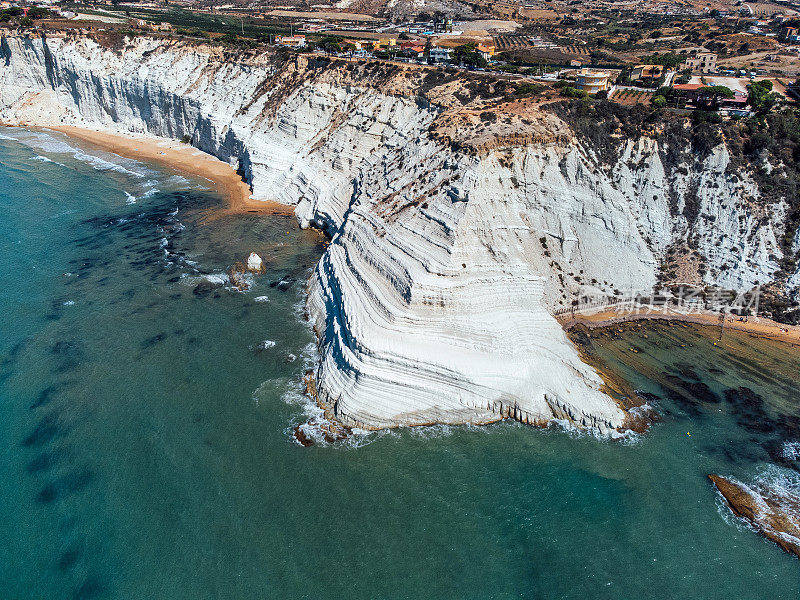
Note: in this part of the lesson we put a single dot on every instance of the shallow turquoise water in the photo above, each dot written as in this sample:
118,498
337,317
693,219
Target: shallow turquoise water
147,449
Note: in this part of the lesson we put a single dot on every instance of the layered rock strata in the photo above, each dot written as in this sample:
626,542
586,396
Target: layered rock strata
453,240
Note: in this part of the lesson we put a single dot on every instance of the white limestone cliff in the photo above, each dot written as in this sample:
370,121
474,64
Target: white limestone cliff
434,300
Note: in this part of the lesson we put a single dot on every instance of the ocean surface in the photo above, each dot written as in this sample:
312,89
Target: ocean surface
146,421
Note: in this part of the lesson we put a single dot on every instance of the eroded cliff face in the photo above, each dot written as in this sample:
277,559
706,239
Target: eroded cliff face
453,240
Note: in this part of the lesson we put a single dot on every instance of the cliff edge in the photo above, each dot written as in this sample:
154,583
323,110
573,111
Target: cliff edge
462,214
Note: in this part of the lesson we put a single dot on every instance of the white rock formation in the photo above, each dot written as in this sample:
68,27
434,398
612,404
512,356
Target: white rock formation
433,301
254,263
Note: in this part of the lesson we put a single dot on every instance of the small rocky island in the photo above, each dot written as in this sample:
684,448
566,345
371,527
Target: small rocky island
774,513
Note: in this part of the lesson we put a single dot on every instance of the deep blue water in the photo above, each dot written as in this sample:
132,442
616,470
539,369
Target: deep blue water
146,447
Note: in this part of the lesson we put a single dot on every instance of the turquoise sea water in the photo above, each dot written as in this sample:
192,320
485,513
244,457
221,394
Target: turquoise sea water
146,448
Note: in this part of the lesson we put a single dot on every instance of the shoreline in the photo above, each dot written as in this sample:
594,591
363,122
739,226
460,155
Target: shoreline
761,327
180,157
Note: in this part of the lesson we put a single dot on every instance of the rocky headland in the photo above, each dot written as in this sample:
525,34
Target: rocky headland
463,211
774,512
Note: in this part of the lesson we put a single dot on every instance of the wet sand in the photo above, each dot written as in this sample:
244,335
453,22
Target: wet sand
184,158
758,326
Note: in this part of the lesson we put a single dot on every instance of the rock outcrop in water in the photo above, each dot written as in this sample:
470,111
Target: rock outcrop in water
454,239
774,513
254,263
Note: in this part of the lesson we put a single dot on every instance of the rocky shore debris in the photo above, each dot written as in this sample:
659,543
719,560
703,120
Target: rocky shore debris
311,433
206,287
237,277
260,347
322,428
239,272
773,511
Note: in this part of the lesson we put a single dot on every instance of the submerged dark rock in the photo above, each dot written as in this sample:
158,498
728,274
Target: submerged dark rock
205,287
749,410
690,394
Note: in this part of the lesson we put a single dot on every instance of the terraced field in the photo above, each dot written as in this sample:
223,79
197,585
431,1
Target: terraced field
631,97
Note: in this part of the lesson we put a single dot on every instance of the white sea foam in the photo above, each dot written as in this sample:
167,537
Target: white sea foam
220,279
130,198
177,180
102,164
69,303
261,299
41,158
150,188
310,355
782,480
791,450
46,142
248,279
266,344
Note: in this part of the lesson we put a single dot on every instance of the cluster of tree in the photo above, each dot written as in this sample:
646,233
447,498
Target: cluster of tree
195,32
15,12
231,39
709,96
468,55
761,97
619,46
571,92
331,43
624,77
528,89
720,47
9,13
684,76
670,60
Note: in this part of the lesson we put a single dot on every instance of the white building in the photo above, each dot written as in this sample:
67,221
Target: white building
440,54
294,41
592,82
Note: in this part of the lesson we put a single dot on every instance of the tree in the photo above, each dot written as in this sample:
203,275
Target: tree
668,59
659,101
571,92
229,38
761,97
467,55
331,43
710,95
764,83
37,12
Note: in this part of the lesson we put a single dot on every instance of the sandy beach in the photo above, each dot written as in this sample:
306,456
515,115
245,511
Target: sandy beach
759,326
184,158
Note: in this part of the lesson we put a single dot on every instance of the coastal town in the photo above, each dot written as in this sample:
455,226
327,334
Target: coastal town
732,59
